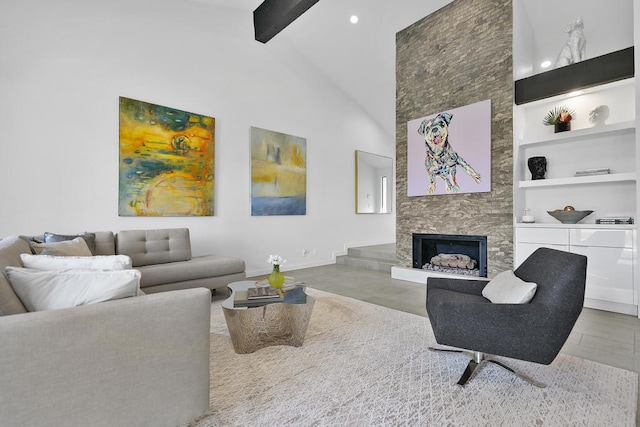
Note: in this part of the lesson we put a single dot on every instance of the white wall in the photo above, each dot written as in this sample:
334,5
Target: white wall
539,30
63,66
524,47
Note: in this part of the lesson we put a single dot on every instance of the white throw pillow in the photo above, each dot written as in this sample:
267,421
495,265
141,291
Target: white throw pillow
75,247
48,290
53,262
507,288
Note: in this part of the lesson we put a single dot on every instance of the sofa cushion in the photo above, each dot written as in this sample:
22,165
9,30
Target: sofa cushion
105,243
507,288
89,238
75,247
196,268
49,290
148,247
10,250
99,262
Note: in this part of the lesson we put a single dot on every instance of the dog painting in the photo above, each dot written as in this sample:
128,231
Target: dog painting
441,159
431,148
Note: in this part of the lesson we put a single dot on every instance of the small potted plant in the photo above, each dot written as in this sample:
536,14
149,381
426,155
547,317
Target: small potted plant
560,118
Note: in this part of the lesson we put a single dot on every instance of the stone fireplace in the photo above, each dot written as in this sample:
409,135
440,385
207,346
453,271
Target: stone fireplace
451,253
435,81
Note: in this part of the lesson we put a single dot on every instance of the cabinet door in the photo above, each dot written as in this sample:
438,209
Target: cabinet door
605,238
523,250
546,236
609,273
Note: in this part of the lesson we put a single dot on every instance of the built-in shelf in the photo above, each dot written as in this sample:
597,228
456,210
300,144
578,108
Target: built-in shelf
596,71
585,225
594,179
621,128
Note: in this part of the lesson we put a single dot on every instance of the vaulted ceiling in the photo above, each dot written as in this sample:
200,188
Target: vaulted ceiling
360,58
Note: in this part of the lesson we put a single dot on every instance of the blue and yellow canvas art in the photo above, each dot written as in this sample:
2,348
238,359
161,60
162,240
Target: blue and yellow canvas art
278,173
166,161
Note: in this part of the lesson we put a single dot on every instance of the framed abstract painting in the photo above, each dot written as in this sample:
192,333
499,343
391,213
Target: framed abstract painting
278,173
166,161
450,152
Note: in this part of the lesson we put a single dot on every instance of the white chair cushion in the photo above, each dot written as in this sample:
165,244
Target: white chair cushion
507,288
53,262
48,290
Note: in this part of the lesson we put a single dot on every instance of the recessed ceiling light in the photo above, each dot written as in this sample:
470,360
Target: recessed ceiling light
354,19
546,64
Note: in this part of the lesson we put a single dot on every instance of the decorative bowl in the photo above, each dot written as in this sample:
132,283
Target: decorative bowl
569,217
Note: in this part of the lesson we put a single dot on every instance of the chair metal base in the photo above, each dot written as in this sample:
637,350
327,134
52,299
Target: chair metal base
477,361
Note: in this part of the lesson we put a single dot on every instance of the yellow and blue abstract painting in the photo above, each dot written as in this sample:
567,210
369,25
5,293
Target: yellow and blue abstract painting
278,173
166,161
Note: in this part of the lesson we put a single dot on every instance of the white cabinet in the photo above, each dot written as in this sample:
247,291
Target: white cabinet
530,239
611,250
610,264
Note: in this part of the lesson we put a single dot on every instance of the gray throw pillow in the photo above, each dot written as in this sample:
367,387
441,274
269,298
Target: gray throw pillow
75,247
90,238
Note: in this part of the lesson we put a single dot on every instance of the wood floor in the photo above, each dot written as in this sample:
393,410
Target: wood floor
609,338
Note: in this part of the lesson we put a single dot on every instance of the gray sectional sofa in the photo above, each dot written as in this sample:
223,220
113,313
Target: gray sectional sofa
128,362
163,256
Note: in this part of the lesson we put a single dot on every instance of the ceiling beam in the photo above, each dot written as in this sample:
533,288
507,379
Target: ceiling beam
272,16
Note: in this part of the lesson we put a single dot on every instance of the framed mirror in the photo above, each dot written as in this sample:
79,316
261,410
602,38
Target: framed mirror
374,183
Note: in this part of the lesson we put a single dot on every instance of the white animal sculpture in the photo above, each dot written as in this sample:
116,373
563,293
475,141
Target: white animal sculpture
574,49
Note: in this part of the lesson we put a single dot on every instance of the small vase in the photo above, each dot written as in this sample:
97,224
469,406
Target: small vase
562,127
276,279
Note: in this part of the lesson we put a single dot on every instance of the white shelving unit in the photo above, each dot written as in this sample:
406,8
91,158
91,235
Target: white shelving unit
612,145
612,269
577,135
616,177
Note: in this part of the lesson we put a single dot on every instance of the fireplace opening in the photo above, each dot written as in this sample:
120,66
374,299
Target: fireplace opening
451,253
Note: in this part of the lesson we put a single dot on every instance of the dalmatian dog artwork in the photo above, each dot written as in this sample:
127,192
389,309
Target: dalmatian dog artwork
441,159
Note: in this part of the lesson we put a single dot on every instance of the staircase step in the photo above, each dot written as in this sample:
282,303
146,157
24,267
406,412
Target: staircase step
381,252
368,263
376,257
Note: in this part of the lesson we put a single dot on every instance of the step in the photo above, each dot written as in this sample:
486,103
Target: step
368,263
381,252
376,257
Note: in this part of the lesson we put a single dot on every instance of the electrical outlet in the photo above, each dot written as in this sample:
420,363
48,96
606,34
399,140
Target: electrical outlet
315,251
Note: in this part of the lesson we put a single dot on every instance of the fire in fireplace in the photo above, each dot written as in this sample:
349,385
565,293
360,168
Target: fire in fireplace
451,253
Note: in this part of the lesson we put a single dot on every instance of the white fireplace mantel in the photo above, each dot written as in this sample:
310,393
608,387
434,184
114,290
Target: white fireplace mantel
418,275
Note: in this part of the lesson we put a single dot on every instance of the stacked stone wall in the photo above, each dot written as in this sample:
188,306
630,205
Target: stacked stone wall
459,55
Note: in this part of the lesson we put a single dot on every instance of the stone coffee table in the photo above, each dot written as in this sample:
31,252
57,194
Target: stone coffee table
277,323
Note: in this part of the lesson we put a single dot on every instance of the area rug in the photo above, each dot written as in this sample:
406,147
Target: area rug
367,365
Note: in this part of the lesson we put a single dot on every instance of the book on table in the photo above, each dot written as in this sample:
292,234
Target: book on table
262,293
241,299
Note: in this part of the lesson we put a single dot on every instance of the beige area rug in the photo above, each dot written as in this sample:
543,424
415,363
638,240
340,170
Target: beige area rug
367,365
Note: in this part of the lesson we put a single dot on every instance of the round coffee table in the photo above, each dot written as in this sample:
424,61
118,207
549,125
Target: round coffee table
275,323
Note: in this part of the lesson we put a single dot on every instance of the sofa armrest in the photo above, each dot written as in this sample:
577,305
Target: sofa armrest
135,361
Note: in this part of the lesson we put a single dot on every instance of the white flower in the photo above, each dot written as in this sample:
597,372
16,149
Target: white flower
276,260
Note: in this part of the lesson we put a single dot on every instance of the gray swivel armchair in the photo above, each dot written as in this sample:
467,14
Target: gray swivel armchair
461,317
